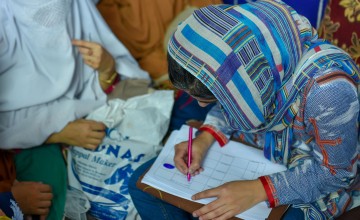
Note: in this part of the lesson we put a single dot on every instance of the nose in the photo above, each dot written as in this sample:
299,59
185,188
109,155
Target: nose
203,104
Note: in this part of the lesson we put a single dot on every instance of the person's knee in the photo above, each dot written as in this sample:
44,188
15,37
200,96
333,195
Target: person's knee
136,175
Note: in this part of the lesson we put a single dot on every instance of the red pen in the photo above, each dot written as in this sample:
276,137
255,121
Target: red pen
189,151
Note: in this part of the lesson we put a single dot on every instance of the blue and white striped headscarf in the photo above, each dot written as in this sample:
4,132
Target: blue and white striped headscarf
255,58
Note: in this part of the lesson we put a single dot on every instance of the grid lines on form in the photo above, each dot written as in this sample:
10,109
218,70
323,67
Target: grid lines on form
234,161
219,168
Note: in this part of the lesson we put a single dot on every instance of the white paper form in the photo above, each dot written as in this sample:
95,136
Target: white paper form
234,161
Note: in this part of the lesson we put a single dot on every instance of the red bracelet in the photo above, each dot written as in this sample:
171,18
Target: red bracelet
111,88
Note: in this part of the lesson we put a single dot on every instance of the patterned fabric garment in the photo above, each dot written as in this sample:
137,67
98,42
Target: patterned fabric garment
273,78
8,205
35,46
249,57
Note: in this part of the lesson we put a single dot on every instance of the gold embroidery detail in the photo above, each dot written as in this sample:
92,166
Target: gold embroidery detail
352,9
354,49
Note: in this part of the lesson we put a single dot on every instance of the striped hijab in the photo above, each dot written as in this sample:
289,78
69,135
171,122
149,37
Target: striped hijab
255,58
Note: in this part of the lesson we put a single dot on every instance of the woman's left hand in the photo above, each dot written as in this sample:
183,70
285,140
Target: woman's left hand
98,58
95,56
232,198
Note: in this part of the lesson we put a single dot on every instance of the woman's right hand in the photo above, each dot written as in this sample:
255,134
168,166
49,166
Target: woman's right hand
200,145
81,132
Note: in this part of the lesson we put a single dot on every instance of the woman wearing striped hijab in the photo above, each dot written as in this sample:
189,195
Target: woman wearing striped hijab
277,87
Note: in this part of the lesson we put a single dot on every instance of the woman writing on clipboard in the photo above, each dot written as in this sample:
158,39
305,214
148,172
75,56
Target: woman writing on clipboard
276,85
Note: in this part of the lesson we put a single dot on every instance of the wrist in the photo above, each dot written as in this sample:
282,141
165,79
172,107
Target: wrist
269,190
260,191
204,139
54,138
215,133
107,73
109,78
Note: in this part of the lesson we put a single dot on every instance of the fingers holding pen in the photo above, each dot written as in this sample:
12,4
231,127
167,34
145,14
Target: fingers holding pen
181,159
195,169
200,146
196,160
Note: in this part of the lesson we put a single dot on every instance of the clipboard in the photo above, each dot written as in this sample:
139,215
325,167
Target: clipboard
222,164
190,206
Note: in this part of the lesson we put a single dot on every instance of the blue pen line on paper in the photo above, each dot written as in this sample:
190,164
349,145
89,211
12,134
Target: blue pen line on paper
169,166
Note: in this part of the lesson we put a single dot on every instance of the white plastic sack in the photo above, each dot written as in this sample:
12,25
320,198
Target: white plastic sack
77,204
135,129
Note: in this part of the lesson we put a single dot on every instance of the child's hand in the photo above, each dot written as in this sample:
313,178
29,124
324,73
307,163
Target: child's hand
33,198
